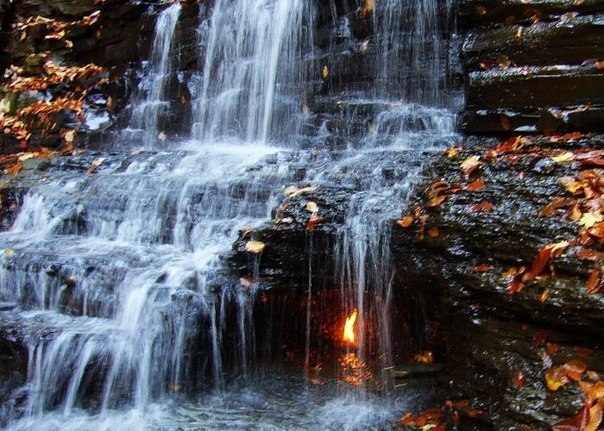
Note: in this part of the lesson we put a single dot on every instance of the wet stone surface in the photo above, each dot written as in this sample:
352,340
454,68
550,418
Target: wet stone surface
494,329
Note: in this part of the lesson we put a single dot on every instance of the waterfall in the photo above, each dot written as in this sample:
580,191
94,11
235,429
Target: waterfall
151,101
253,51
113,277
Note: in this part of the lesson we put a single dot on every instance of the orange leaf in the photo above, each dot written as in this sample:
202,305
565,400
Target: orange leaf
475,186
482,268
437,201
14,169
519,379
596,391
433,232
566,425
595,417
483,206
551,348
594,281
558,203
574,369
589,254
406,221
545,254
515,285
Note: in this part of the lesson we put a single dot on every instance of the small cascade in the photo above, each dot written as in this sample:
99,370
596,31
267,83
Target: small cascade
412,56
151,101
251,70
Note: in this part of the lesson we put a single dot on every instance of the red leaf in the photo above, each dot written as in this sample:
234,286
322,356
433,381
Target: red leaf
540,338
519,379
566,425
482,268
483,206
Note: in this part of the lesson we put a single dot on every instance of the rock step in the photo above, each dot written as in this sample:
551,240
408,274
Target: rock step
475,12
568,40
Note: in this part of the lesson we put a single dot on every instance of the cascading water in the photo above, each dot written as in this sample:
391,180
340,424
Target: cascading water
252,47
147,109
114,280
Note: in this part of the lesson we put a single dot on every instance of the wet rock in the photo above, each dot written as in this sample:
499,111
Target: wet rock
491,331
477,12
13,374
568,40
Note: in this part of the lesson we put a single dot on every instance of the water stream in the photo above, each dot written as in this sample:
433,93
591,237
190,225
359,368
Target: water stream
115,279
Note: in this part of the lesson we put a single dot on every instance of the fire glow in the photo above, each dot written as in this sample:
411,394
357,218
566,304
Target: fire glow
348,334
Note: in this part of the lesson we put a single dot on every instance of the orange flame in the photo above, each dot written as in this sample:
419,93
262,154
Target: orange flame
348,334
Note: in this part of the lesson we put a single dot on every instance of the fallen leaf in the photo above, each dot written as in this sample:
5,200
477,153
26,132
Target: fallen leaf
555,378
433,232
519,379
557,204
566,156
293,191
590,218
312,207
482,268
475,186
469,165
255,246
595,417
453,152
583,351
480,10
483,206
14,168
437,201
594,281
314,220
545,254
406,221
539,338
95,164
574,369
325,72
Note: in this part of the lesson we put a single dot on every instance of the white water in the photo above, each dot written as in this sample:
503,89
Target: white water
122,295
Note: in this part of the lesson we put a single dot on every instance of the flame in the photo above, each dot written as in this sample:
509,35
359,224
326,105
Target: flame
348,334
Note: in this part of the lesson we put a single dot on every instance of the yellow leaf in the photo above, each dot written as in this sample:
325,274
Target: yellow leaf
453,151
69,136
591,218
312,207
368,7
325,72
555,378
255,246
595,417
293,191
567,156
470,164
